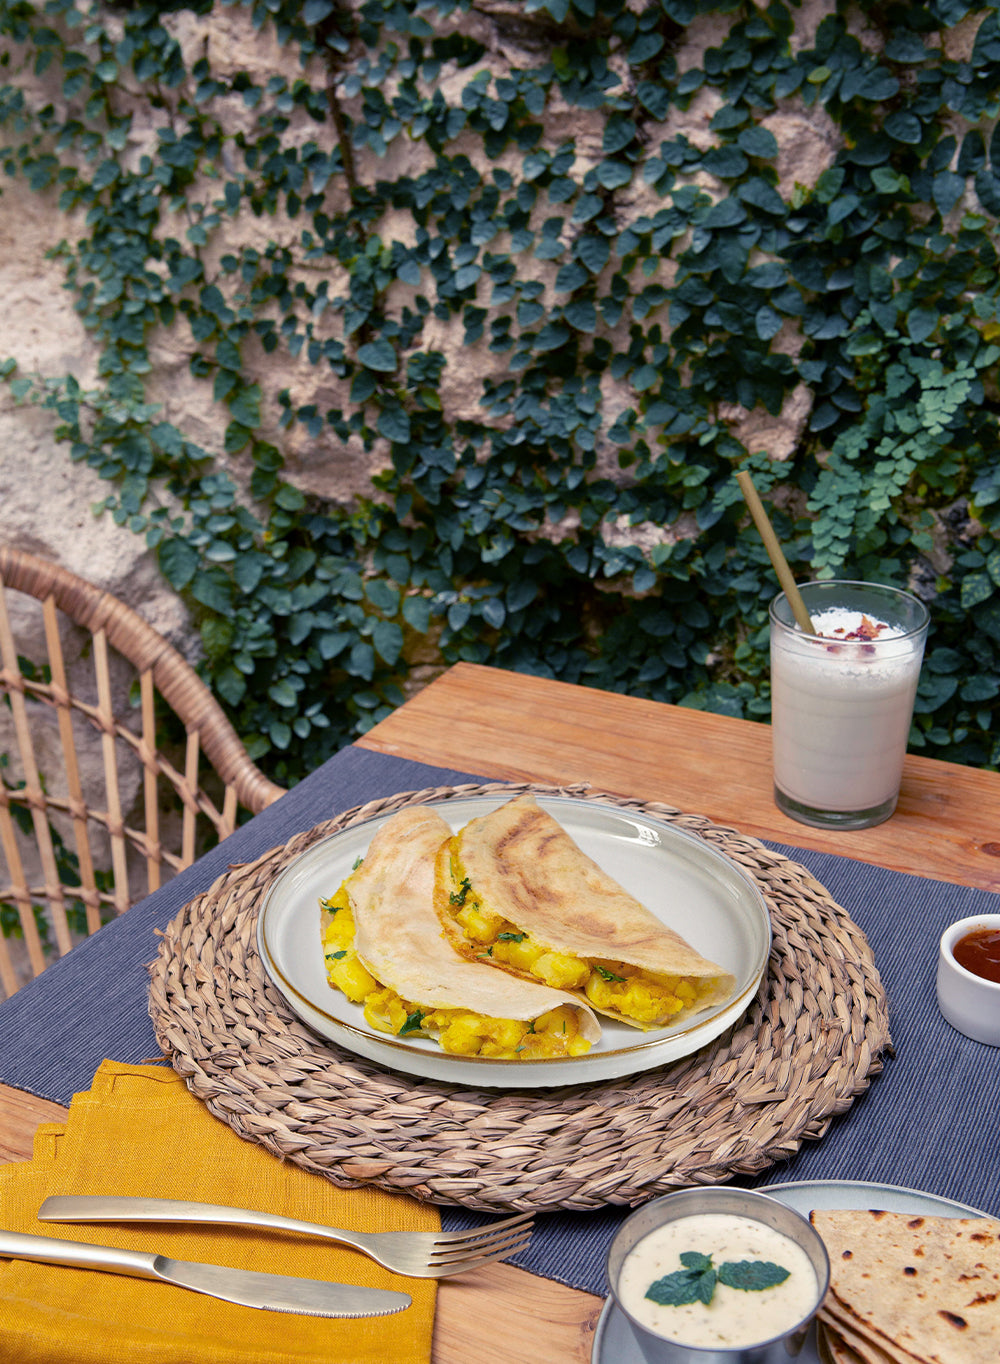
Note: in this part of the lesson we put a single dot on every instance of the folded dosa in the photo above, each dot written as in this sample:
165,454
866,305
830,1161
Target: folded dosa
913,1289
516,882
413,982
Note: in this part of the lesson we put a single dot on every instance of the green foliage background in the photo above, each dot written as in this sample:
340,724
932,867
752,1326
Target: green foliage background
309,611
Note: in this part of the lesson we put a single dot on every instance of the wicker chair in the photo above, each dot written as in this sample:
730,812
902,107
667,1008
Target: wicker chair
93,812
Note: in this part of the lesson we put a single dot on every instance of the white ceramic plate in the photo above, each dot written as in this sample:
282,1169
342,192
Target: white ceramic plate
614,1342
689,885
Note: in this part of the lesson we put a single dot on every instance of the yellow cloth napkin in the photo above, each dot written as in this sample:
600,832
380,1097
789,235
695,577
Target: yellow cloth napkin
139,1131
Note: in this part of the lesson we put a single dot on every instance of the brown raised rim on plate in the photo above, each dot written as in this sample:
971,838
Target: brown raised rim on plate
808,1045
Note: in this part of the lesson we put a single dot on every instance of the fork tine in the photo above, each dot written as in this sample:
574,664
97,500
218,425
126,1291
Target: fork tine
471,1234
462,1265
516,1238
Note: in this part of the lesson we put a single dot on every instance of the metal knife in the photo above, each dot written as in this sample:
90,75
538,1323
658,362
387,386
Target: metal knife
274,1292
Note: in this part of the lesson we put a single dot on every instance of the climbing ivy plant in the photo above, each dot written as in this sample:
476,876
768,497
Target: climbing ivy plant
628,300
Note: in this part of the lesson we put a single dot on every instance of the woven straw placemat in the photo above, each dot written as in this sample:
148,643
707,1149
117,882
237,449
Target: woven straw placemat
808,1045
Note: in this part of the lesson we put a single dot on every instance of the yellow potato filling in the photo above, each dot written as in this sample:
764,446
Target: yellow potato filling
611,986
458,1031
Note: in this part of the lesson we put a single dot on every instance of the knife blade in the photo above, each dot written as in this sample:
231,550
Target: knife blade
248,1288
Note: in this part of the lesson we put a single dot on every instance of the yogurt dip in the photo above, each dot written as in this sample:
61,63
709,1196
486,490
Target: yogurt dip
734,1317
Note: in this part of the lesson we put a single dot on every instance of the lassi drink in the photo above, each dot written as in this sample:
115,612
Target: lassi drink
842,701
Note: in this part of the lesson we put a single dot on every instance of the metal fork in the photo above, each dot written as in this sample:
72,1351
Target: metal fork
419,1254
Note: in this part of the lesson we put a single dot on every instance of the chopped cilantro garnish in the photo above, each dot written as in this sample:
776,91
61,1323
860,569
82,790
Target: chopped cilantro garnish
328,905
458,897
511,937
696,1281
357,862
336,956
607,975
413,1022
487,953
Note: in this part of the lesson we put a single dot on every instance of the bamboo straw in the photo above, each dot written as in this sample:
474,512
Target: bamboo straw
774,552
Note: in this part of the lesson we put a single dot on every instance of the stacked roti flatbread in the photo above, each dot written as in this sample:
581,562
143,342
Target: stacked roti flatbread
910,1289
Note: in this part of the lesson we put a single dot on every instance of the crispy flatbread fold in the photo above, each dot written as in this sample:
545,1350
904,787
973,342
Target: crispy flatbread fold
518,868
910,1289
833,1345
398,939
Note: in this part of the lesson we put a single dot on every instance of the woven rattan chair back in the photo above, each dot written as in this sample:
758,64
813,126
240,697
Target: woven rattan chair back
97,809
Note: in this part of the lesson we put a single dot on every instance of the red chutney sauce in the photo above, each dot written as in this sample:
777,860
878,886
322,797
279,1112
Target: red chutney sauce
979,952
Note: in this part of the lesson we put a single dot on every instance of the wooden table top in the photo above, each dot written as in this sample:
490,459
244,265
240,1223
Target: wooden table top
506,725
509,726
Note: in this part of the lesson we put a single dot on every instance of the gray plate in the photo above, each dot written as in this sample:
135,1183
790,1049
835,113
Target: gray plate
688,884
614,1342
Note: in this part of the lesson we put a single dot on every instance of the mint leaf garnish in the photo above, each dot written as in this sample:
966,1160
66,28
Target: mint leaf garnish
694,1260
683,1286
696,1281
752,1275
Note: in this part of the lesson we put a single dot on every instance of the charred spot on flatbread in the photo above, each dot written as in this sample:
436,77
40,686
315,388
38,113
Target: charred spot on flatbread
910,1290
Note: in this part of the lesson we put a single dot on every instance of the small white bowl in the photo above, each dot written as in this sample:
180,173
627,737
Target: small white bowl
969,1003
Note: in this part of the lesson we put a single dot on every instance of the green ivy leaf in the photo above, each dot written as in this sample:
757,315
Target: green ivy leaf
619,132
387,638
976,588
382,595
178,562
417,613
217,636
594,252
283,694
378,355
921,323
767,322
521,595
394,423
245,407
248,569
947,189
581,314
758,142
213,590
231,685
904,126
905,46
727,213
237,438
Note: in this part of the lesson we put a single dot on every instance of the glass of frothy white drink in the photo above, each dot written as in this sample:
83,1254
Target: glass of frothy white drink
842,701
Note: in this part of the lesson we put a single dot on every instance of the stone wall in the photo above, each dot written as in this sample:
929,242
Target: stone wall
45,499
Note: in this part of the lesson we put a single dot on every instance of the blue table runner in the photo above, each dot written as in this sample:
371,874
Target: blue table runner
929,1122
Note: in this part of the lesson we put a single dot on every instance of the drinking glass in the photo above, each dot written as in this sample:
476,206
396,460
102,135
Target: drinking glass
840,707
